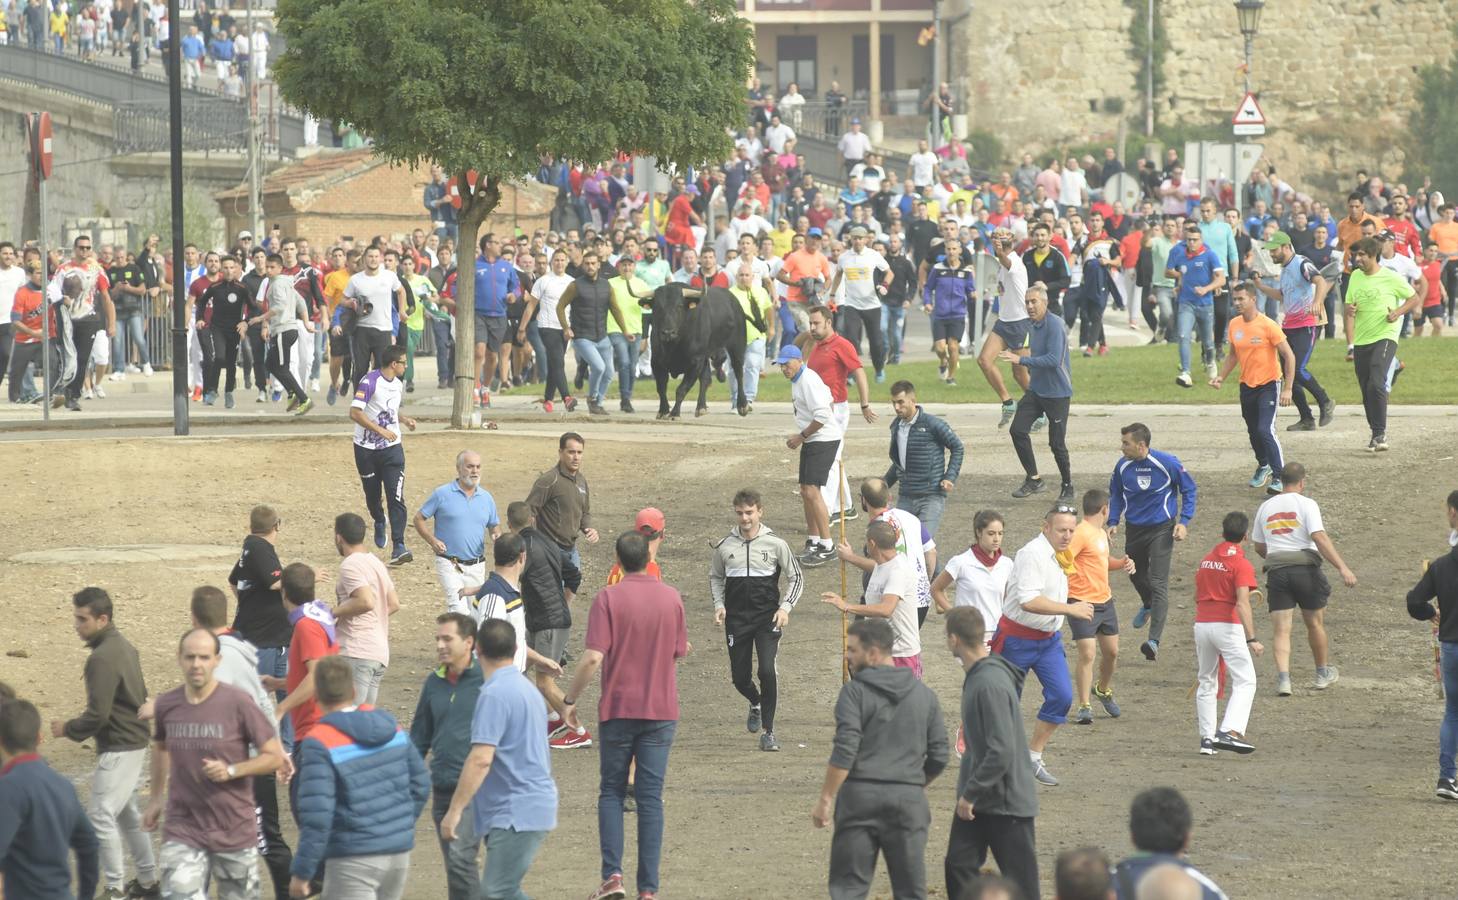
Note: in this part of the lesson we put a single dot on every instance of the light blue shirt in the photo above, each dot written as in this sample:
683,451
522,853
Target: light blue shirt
1220,237
519,791
461,521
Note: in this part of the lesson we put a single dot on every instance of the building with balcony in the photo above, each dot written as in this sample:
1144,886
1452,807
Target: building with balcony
870,47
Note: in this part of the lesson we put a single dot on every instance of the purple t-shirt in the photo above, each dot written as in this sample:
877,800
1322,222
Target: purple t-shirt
638,627
202,814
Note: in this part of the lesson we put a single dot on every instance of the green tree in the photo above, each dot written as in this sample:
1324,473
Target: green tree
490,86
1433,125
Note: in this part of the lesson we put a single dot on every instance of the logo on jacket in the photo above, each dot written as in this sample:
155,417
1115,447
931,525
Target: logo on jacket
1144,481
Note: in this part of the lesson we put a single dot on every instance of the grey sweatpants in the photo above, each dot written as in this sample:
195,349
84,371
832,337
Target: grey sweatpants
114,813
380,877
876,818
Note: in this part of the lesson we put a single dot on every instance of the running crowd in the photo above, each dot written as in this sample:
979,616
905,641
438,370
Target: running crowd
284,691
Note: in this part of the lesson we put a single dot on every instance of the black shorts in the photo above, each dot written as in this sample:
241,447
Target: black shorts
1292,586
1105,621
1431,314
948,330
1014,334
340,345
512,326
491,331
816,459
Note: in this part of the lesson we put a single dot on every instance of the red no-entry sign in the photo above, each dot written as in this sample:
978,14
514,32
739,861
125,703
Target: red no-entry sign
41,152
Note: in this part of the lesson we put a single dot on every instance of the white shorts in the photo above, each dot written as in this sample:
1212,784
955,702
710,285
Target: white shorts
101,349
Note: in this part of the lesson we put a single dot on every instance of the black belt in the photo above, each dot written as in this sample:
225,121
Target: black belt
462,562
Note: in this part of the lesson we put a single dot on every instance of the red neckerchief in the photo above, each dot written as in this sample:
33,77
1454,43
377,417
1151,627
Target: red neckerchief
22,758
988,560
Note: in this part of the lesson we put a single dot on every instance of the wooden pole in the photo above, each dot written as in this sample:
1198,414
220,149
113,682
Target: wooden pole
844,616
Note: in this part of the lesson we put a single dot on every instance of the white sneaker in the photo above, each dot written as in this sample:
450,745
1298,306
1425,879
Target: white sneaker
1325,678
1212,370
116,376
314,386
87,395
99,392
132,368
147,369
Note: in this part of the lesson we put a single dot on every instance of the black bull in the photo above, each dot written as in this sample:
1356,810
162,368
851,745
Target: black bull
690,329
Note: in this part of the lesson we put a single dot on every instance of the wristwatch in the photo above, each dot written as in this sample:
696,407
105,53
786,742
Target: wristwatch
232,772
568,702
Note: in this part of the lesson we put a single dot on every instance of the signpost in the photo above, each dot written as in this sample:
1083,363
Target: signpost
1208,162
41,162
1248,119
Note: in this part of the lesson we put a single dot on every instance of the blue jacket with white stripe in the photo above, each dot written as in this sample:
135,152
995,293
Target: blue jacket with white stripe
1142,491
361,786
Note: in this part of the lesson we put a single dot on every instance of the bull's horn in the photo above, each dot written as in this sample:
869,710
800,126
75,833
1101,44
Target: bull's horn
690,292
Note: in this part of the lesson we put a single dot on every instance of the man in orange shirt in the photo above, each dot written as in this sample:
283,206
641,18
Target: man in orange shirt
1089,582
650,524
1444,233
1349,231
1267,369
807,262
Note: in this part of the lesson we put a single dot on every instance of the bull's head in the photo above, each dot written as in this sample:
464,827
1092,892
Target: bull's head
671,304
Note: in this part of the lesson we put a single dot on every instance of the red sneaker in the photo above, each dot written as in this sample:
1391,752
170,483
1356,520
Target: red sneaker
570,740
961,743
1103,350
570,403
612,889
546,406
197,393
555,726
647,895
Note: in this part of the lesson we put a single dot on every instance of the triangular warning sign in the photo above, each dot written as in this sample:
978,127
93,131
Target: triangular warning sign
1249,112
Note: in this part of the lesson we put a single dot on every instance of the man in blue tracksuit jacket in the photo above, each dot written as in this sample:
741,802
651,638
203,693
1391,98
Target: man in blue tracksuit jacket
361,788
1143,491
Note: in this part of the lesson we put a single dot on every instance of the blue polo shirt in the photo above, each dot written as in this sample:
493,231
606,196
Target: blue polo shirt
494,281
519,791
1195,271
461,521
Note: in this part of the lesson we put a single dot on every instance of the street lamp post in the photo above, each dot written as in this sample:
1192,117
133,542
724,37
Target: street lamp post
1249,13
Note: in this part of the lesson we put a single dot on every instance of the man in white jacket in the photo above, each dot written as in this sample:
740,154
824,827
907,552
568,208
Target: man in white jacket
817,437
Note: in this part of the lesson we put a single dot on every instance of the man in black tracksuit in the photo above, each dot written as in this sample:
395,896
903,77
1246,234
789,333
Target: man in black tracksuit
890,743
1046,265
220,311
744,578
1440,582
996,795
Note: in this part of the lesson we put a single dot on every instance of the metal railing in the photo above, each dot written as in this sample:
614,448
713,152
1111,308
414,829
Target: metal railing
207,124
821,119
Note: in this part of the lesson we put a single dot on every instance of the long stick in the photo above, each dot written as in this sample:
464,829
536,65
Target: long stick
844,616
1437,651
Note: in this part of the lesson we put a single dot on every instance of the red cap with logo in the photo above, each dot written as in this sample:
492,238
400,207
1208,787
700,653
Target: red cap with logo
649,522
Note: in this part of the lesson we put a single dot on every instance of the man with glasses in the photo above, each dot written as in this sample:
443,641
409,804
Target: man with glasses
1198,273
82,308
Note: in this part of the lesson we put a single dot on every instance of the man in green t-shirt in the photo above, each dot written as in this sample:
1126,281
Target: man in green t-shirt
627,287
424,291
1373,317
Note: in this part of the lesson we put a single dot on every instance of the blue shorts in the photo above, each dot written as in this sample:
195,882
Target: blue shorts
1045,658
1013,334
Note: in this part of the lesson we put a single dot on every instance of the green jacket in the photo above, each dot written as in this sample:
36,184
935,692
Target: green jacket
441,729
115,690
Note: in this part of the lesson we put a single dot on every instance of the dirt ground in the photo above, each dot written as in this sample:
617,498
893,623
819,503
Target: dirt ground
1339,792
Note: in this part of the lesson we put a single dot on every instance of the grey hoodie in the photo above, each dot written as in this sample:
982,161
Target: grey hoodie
888,728
238,666
996,776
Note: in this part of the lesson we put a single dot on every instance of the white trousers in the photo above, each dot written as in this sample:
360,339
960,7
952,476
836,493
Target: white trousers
303,359
453,579
1215,641
1129,287
837,493
194,356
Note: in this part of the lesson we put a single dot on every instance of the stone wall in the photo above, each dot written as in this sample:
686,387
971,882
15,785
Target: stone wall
1335,80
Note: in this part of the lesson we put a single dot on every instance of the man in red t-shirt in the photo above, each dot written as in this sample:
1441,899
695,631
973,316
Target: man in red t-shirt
1437,297
26,313
313,639
636,634
1225,632
836,361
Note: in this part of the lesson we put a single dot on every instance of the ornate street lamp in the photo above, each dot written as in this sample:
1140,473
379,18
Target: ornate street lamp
1249,13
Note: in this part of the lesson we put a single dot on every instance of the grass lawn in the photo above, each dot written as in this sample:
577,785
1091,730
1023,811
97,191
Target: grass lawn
1139,375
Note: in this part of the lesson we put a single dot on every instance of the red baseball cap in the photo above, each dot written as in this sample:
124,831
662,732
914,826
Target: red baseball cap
649,522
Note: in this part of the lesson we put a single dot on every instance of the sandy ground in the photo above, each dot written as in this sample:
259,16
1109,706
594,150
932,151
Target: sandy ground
1339,789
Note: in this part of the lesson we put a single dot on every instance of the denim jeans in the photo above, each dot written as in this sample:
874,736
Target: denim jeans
509,853
539,351
275,661
1163,302
622,742
463,876
1448,734
133,327
893,324
1189,316
625,360
321,352
926,507
445,350
368,674
599,358
753,363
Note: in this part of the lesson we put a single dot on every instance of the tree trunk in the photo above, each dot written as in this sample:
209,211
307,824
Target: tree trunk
476,205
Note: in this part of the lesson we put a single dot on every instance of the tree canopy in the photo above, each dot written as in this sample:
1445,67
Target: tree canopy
491,86
1434,125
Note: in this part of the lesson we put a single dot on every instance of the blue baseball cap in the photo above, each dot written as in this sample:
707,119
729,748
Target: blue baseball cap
814,232
787,353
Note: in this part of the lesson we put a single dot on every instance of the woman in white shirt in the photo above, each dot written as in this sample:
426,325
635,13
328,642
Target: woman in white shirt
980,573
791,106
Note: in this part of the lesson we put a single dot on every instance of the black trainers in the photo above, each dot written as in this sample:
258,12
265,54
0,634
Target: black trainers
1302,425
1207,747
134,889
1447,789
1030,487
1150,649
1226,740
626,406
1328,410
768,744
753,722
1065,494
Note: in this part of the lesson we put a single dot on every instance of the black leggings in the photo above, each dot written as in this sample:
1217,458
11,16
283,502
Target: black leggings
258,358
280,355
766,642
276,853
853,321
1030,407
1374,361
223,354
556,375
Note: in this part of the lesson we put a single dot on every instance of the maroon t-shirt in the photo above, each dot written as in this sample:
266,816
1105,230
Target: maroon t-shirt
216,817
638,627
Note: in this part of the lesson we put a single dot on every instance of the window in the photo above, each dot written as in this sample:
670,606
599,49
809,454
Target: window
796,62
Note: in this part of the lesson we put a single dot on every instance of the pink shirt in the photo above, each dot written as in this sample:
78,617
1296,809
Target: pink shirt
365,636
638,627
